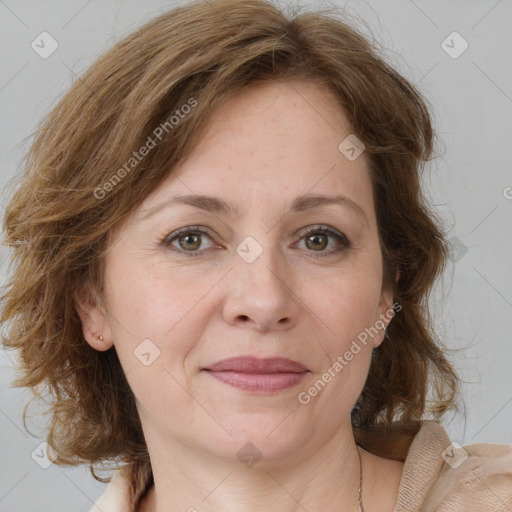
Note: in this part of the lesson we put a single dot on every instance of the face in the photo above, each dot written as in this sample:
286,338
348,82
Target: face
263,279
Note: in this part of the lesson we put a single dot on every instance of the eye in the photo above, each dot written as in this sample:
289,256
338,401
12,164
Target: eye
189,240
316,237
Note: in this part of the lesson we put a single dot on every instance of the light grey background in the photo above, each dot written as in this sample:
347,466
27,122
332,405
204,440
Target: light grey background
470,185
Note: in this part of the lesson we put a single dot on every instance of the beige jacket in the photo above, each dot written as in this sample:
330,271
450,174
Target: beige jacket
438,476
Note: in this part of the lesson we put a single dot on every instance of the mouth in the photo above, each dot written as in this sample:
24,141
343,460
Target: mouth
258,375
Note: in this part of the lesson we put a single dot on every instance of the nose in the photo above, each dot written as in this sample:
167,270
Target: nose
262,294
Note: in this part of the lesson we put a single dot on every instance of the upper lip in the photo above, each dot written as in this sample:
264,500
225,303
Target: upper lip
250,364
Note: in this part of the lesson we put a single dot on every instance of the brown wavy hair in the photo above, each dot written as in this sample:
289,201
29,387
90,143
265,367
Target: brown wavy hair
59,218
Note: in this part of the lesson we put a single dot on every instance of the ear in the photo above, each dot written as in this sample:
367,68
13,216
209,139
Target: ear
386,313
94,319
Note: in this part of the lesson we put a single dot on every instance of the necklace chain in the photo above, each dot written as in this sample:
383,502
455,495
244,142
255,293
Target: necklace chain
360,497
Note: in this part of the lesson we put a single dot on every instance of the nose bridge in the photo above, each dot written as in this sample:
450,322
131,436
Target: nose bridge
262,261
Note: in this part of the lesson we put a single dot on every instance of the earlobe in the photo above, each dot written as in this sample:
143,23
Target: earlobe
97,341
95,325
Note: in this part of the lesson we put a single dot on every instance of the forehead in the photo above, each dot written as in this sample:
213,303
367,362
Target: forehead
269,145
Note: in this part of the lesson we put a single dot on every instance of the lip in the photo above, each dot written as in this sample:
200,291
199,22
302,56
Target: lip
251,364
258,375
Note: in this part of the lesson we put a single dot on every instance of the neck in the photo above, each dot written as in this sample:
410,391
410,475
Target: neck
312,478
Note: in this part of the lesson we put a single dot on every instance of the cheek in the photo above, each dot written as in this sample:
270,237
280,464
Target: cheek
147,299
154,330
352,306
157,317
349,310
352,298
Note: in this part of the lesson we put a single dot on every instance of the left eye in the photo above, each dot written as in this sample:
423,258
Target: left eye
315,233
190,240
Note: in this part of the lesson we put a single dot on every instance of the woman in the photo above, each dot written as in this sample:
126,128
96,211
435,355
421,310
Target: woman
222,236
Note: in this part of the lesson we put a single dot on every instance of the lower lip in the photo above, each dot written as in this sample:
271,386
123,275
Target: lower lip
259,382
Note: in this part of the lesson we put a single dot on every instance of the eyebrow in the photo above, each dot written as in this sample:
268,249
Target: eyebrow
219,206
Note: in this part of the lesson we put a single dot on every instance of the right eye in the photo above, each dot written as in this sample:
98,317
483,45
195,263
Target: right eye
189,240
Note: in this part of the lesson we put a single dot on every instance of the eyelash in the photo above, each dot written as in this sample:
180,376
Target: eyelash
325,230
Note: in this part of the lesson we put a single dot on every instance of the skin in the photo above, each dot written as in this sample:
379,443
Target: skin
264,148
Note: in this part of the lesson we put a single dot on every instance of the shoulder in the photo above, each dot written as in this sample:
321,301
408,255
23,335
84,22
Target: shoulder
441,476
473,478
